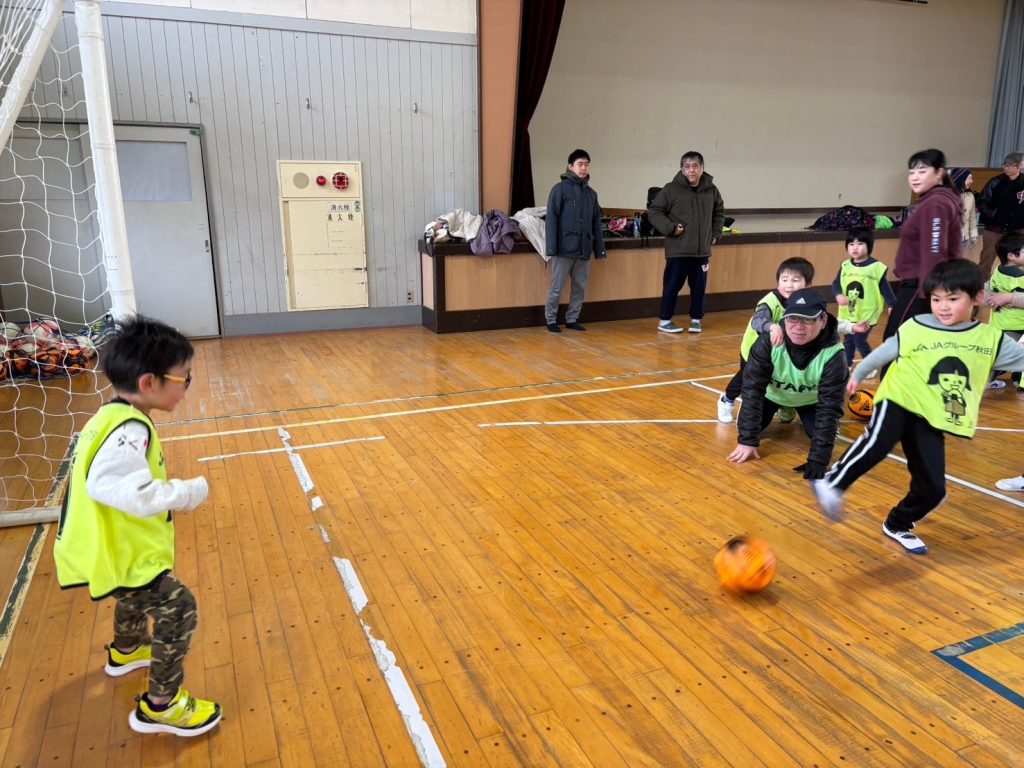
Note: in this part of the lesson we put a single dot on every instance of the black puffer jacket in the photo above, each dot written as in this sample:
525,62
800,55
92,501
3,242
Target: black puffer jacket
831,390
573,220
699,209
999,205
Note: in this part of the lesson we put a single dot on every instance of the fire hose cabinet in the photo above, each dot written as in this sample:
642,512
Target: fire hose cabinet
322,214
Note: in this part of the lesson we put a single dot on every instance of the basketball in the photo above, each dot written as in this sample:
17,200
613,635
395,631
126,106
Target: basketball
861,403
745,565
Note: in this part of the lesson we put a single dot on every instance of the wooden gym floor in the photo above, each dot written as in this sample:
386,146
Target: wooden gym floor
536,587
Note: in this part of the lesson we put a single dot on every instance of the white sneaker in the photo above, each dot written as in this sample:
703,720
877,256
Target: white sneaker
996,384
907,540
694,326
669,327
1011,484
830,500
725,409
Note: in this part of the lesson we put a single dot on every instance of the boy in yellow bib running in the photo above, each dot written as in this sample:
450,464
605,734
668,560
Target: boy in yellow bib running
940,365
116,532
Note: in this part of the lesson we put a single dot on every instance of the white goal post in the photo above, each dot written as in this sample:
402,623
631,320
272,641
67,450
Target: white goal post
65,271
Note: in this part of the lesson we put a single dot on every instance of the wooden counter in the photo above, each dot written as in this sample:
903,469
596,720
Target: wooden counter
464,292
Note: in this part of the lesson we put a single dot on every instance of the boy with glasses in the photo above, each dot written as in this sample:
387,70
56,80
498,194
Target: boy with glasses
116,532
807,372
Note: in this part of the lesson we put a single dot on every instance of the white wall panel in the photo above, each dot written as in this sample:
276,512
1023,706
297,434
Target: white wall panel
794,103
406,109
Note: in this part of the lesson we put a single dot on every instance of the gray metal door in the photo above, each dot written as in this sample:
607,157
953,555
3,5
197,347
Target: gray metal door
164,194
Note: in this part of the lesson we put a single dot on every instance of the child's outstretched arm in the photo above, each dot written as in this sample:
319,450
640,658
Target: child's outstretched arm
1011,355
880,356
120,477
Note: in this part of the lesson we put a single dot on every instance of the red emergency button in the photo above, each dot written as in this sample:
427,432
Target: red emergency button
321,180
340,180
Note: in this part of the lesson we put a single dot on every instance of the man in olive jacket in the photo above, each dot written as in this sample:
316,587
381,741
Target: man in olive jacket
573,232
690,213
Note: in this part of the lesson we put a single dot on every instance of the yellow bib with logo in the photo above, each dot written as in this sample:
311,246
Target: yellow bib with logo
940,374
102,547
750,335
860,287
1007,318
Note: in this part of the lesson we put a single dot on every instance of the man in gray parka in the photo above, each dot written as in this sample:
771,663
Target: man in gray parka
573,224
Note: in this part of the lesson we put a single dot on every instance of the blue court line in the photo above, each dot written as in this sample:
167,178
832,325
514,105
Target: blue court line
953,655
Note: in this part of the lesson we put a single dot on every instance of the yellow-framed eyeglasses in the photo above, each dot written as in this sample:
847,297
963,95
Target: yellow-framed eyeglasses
186,380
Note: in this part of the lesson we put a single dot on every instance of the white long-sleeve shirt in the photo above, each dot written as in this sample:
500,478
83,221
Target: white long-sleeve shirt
120,477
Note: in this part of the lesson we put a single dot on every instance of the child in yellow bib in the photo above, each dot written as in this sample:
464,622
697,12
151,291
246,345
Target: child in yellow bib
116,531
861,290
1005,294
793,274
940,363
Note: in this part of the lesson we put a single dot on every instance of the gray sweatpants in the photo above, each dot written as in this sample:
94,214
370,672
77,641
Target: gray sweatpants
562,269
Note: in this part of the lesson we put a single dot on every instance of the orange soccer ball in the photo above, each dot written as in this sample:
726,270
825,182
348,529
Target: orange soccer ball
745,565
861,403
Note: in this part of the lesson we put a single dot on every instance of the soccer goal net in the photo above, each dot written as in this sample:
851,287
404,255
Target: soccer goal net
57,295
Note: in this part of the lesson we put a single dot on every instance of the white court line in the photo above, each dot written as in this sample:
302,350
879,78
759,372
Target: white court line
1000,429
442,408
954,479
289,449
584,422
419,731
705,386
444,395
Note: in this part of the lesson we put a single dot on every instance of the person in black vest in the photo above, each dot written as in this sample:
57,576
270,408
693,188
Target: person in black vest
1002,209
573,225
690,213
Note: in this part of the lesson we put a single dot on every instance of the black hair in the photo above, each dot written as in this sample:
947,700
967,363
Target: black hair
1009,243
855,284
955,275
797,264
691,154
578,154
933,158
863,235
950,365
1016,158
141,345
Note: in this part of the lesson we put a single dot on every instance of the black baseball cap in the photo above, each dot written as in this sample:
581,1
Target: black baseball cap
807,302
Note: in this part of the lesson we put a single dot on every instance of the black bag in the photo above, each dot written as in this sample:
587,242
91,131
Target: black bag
646,228
843,219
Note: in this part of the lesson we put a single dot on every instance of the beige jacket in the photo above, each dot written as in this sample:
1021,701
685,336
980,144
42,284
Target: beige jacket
969,218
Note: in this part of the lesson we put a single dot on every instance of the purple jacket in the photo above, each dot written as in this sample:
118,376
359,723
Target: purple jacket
497,234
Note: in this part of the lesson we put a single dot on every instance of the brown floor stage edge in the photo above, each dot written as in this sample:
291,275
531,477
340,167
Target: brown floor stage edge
532,519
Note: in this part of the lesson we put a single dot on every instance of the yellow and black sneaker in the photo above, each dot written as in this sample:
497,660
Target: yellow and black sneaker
185,716
119,663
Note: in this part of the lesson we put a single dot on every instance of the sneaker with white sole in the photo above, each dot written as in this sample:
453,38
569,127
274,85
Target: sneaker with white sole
906,539
694,327
786,414
185,716
725,410
669,327
830,500
119,663
1011,484
996,384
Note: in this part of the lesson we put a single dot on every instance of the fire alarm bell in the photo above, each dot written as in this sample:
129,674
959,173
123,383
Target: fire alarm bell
340,180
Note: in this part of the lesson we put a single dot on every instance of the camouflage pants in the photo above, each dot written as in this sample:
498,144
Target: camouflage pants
173,610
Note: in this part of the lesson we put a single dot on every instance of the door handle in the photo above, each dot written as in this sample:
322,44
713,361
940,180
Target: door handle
207,243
